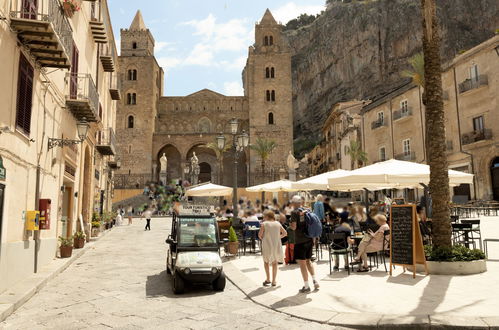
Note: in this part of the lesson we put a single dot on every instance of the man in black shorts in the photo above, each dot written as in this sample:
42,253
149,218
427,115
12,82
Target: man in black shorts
304,245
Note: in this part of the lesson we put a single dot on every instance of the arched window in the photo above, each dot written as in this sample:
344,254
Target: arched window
130,122
266,41
272,73
132,74
271,40
267,73
134,45
271,118
268,96
273,96
131,98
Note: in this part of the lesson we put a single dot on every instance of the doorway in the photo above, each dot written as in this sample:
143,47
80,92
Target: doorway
204,172
494,178
67,212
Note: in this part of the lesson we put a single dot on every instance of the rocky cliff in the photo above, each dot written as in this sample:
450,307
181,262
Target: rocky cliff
358,49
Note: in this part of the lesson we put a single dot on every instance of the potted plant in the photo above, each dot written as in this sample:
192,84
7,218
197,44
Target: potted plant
66,248
233,245
455,260
70,7
79,240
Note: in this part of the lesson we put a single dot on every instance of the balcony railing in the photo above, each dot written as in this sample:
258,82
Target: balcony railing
82,98
402,113
406,156
115,87
475,136
43,28
377,124
469,84
107,57
106,142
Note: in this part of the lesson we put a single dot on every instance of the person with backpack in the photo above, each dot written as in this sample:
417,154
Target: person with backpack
306,226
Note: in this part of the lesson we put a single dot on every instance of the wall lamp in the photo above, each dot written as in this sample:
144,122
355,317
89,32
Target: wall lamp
82,128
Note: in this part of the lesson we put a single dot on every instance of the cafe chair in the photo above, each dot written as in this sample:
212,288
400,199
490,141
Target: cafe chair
461,234
475,233
381,254
337,249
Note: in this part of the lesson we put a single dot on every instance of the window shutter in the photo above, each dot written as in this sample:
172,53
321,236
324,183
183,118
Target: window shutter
24,95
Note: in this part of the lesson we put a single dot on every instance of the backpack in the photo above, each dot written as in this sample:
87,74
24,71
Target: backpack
314,225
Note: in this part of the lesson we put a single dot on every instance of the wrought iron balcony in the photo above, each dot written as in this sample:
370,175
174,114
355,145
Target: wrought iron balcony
406,156
106,142
115,87
377,124
469,84
107,57
475,136
82,98
402,113
42,27
114,163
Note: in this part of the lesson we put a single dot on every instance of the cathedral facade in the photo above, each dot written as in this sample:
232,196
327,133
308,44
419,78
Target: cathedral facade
149,124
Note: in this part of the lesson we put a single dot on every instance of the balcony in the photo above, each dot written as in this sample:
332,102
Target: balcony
114,163
402,113
106,142
475,136
377,124
82,99
42,27
469,84
115,88
406,156
98,29
107,58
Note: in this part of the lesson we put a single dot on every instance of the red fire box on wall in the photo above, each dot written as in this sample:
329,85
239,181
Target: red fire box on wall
44,207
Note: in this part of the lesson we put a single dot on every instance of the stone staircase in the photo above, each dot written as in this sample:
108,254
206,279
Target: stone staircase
136,202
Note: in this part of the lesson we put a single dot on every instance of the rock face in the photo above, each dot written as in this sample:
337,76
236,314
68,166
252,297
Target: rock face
358,49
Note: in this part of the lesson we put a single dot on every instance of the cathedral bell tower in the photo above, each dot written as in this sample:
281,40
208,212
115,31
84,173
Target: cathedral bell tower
268,86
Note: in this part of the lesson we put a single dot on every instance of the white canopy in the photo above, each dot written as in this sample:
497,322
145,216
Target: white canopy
392,174
318,182
209,189
275,186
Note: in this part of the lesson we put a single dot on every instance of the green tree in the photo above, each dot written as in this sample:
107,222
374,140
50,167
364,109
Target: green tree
263,148
357,155
435,123
220,157
417,72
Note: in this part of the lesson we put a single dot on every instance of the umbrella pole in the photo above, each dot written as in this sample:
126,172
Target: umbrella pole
366,197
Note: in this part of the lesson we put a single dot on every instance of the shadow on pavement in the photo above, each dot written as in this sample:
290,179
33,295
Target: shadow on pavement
406,279
261,290
296,300
160,285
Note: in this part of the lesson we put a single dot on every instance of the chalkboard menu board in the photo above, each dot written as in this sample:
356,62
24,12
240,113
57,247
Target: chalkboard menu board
402,236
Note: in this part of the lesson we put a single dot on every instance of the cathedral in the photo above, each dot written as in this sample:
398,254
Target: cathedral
150,125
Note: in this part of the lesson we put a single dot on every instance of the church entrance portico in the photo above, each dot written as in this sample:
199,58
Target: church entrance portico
173,166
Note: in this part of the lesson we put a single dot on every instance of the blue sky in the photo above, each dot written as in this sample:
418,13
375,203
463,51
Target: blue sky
204,43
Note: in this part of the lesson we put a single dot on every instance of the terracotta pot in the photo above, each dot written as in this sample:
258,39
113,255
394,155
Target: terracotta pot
233,247
68,10
66,251
79,243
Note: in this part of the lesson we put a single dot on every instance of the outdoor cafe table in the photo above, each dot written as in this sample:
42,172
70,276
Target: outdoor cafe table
253,232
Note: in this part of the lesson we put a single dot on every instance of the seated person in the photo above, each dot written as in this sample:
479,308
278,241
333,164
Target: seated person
346,212
341,244
372,242
250,216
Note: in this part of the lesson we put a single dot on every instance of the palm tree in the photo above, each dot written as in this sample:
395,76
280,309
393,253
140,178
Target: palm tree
417,72
357,155
220,157
263,148
435,144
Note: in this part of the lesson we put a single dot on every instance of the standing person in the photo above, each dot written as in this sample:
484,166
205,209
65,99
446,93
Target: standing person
304,245
129,212
271,233
319,208
148,215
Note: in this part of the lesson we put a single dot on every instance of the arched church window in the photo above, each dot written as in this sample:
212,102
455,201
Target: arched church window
131,98
132,74
130,122
266,41
268,96
272,96
267,72
271,40
272,72
134,45
271,118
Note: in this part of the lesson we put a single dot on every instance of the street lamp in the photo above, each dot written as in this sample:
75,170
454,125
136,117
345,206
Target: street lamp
239,142
82,129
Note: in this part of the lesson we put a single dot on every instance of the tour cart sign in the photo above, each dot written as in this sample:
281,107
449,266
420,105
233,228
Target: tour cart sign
3,171
192,209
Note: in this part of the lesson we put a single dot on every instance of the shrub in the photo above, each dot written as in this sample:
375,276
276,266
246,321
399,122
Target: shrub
66,241
454,253
232,235
80,234
95,224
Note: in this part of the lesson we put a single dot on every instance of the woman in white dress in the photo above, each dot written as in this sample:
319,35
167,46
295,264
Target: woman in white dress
271,232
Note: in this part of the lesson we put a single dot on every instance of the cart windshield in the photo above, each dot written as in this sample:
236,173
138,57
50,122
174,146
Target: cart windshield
197,232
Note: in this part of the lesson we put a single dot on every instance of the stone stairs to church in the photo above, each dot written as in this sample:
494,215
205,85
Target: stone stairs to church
136,202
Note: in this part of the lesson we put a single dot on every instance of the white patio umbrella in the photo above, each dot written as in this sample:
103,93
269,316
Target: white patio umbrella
318,182
275,186
392,174
208,190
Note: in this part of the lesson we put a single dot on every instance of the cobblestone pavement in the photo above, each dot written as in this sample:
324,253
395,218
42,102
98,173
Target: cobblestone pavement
121,283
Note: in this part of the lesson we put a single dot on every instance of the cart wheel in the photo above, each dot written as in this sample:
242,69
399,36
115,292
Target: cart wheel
219,283
178,284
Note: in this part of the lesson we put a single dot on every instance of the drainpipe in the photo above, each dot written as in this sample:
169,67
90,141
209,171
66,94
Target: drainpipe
459,133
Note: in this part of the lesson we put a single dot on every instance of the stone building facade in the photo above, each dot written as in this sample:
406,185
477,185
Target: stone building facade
150,124
393,124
